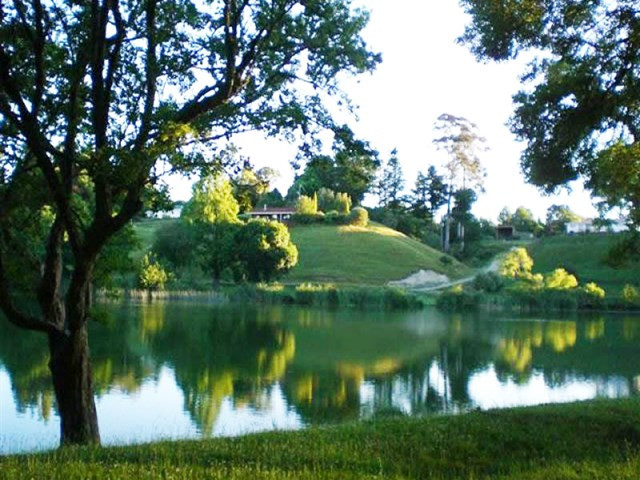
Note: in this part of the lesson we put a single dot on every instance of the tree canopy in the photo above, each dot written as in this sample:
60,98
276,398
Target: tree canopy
119,92
579,109
351,169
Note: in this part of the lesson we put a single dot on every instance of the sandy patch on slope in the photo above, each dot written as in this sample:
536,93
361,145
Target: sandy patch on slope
420,279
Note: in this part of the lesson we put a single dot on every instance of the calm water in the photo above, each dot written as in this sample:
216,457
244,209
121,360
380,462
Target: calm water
185,370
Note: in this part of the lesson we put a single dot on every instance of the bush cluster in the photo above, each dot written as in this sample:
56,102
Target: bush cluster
358,217
328,295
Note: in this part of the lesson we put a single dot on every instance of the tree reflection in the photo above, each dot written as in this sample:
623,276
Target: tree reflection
329,365
218,354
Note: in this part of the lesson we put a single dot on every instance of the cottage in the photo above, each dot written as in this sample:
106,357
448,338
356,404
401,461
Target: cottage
281,214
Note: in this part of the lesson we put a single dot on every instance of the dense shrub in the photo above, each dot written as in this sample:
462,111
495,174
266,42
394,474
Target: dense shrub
329,200
335,218
446,260
176,243
307,205
560,279
359,217
307,218
489,282
594,290
630,294
457,298
153,275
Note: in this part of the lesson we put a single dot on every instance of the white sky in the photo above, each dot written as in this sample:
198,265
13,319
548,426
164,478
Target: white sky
424,73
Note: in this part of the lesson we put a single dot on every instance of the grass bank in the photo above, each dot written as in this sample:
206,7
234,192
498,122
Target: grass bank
584,256
597,439
467,298
373,255
327,295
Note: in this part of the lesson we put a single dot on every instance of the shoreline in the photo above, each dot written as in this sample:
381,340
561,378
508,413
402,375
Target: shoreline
594,438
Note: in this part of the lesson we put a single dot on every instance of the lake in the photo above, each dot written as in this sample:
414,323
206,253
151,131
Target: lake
185,370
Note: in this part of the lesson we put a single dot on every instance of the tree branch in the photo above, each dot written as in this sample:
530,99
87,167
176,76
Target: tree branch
151,75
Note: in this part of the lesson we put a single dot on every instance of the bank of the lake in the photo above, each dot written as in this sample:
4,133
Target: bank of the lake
305,294
595,439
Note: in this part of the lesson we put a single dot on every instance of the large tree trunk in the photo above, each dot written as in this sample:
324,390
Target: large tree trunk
73,385
70,363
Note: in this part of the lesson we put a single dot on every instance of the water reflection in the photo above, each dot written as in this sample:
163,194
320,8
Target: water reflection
184,370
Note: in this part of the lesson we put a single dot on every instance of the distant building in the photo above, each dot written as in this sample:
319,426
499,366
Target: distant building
281,214
588,226
505,232
175,212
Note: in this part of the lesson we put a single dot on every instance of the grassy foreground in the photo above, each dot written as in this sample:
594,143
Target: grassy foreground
598,439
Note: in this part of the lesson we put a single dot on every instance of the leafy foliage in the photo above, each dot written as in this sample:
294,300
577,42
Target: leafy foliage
560,279
557,218
516,264
264,251
328,201
578,110
153,275
307,205
429,193
212,201
594,290
351,170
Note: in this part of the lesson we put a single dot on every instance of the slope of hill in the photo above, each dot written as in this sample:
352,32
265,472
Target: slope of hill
373,255
584,256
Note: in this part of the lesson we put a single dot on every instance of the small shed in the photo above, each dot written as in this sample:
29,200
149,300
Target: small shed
505,232
281,214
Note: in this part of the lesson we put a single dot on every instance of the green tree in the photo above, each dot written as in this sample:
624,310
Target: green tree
461,214
462,143
523,221
250,186
505,216
212,214
212,201
557,218
307,205
391,182
429,194
516,264
328,201
116,92
578,111
351,170
216,245
264,250
153,276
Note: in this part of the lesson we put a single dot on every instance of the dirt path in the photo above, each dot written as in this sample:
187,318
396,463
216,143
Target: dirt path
491,267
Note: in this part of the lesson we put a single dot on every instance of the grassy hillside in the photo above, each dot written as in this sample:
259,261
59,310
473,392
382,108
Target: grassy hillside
145,231
584,255
595,440
373,255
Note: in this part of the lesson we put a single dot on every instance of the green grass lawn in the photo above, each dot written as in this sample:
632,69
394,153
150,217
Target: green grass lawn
145,231
598,439
584,255
373,255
